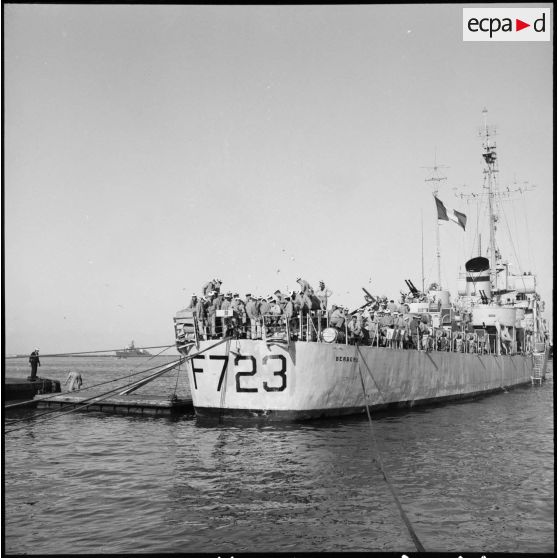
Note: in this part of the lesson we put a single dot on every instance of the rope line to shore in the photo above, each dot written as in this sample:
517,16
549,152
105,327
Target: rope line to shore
371,375
93,400
224,384
92,352
377,458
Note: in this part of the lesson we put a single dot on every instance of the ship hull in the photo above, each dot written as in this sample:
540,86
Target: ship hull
310,380
131,354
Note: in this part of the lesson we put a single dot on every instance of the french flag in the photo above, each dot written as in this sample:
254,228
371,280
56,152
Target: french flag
452,215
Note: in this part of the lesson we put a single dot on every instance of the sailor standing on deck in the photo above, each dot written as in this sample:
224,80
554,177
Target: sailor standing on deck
239,314
323,293
34,362
226,321
265,310
253,314
208,287
372,327
289,311
265,305
201,315
276,311
193,302
355,331
423,335
400,327
280,298
298,303
305,287
337,319
213,285
213,305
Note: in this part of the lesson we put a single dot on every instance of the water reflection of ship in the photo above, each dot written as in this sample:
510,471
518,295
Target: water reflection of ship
132,351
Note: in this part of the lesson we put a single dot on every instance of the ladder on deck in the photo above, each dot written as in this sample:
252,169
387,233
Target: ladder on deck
539,362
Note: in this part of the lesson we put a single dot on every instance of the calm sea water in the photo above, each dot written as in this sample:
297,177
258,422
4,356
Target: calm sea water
476,476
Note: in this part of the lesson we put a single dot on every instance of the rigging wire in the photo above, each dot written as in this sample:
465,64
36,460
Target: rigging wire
527,230
513,247
176,384
528,251
377,458
224,384
515,224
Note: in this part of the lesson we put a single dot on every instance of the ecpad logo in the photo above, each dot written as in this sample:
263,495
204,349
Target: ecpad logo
506,24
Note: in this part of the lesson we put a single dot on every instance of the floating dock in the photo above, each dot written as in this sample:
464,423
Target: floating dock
22,389
148,405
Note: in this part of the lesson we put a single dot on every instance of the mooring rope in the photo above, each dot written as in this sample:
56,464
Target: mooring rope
224,384
77,406
371,375
90,352
176,383
378,460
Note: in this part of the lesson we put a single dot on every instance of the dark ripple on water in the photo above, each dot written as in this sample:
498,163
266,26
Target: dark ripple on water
475,476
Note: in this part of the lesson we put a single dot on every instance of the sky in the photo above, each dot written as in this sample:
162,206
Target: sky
150,148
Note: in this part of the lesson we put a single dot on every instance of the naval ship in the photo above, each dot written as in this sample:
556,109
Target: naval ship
132,351
303,368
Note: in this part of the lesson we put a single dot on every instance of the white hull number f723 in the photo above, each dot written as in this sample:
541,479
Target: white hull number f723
245,366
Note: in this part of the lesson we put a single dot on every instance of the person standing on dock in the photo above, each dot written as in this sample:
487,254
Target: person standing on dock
34,362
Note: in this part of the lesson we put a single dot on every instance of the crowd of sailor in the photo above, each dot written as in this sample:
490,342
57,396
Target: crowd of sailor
305,315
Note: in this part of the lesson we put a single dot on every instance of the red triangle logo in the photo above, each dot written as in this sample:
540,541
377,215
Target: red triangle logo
519,25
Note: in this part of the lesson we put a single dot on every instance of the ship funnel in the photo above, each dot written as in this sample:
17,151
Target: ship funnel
478,277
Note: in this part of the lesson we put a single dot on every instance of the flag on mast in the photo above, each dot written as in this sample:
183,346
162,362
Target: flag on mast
451,215
442,211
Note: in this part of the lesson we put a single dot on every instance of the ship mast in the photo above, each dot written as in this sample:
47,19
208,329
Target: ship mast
493,195
422,250
491,186
435,180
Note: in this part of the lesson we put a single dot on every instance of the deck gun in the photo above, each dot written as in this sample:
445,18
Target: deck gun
369,300
412,288
368,297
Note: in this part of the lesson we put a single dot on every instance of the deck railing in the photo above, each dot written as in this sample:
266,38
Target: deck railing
309,327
